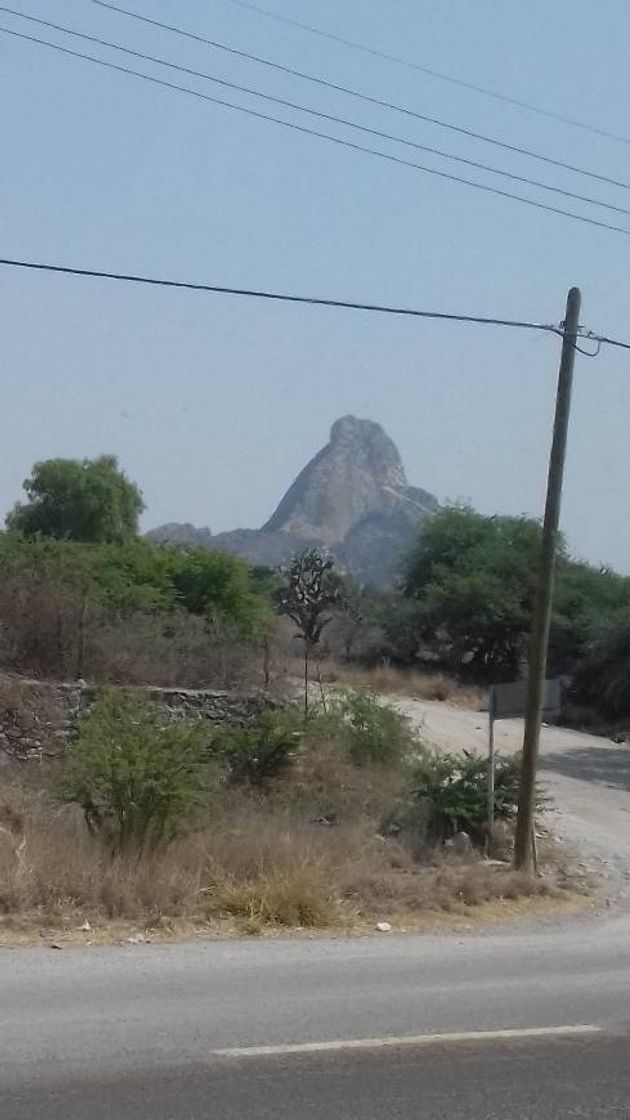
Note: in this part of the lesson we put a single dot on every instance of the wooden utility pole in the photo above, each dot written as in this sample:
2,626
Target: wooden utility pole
523,847
491,763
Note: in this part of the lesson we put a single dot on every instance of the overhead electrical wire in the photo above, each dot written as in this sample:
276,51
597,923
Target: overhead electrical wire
380,102
317,301
604,340
376,152
382,135
384,56
348,305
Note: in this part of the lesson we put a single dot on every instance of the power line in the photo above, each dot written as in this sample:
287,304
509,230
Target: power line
384,56
604,340
320,114
383,104
389,156
313,301
348,305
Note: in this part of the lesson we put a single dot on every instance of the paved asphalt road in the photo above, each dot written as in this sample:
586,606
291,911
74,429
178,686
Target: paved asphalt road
132,1033
515,1081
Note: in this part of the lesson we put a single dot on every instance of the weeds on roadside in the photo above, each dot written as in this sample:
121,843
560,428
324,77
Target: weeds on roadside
409,683
448,793
273,826
371,732
137,779
259,754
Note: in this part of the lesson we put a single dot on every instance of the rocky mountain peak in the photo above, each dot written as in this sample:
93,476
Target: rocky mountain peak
351,498
356,474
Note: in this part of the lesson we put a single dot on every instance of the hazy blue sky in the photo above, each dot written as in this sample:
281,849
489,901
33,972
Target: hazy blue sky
213,404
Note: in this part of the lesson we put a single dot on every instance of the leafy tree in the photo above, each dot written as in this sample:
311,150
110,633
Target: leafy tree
374,625
401,627
474,579
216,585
310,588
588,602
603,677
80,500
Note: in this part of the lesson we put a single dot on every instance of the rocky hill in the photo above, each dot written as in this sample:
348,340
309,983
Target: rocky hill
352,499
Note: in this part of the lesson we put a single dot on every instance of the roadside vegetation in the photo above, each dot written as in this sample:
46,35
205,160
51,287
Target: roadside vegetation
415,684
129,613
339,822
327,810
461,618
83,595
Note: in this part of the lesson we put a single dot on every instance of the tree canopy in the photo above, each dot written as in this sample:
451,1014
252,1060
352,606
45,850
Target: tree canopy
473,579
141,576
89,500
602,680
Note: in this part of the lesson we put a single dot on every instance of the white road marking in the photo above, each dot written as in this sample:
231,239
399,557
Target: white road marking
403,1040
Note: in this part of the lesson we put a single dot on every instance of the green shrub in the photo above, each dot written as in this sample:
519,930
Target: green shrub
257,754
452,792
370,731
138,781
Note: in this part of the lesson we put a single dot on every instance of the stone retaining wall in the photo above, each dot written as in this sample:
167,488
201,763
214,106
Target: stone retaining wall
38,718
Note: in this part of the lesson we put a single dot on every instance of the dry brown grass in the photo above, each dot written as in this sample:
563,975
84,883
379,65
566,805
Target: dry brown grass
324,783
254,867
45,636
390,681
